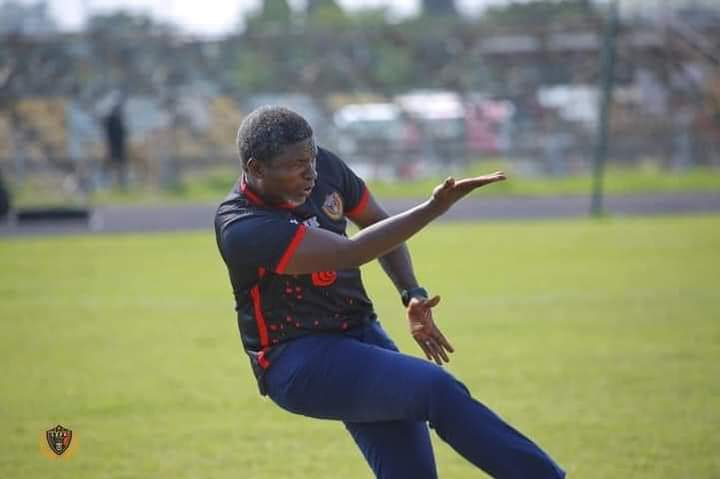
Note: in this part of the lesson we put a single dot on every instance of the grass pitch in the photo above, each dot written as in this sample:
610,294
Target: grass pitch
215,183
601,340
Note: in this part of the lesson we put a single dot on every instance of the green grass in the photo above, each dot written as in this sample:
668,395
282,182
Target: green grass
617,181
599,339
213,184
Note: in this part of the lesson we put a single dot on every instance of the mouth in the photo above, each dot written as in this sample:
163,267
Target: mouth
308,189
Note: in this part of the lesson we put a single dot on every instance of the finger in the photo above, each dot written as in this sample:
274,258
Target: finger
436,351
429,348
440,338
442,353
428,355
436,359
432,302
472,183
425,348
480,180
499,175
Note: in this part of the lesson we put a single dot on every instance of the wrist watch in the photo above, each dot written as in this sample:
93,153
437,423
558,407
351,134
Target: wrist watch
407,294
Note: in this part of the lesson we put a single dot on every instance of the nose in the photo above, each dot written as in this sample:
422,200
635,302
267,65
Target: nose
311,171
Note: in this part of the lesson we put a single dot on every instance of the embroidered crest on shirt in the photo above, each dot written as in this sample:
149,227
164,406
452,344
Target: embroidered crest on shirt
333,206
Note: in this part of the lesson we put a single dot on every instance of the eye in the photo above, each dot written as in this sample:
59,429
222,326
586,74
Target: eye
305,161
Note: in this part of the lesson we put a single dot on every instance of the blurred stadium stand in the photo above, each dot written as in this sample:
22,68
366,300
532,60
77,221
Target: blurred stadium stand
460,91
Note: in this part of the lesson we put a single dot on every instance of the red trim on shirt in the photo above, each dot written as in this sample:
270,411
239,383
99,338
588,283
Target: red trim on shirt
360,207
259,317
260,322
290,251
255,199
262,360
249,194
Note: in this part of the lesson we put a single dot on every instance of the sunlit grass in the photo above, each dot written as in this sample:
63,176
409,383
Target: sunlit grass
601,340
212,185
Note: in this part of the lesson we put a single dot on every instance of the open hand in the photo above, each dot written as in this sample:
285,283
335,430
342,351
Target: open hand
422,327
450,191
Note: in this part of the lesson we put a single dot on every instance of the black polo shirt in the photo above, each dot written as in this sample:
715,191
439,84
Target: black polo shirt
256,242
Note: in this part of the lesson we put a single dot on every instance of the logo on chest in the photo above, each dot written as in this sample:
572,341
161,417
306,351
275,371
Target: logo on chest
333,206
324,278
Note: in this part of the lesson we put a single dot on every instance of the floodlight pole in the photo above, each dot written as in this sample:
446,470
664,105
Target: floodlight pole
607,78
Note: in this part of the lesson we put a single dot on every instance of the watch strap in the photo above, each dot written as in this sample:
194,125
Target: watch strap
407,294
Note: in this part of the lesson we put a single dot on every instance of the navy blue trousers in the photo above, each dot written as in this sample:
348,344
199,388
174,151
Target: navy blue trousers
386,398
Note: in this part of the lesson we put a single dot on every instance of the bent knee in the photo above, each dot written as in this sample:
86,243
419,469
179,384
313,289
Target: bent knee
443,383
443,390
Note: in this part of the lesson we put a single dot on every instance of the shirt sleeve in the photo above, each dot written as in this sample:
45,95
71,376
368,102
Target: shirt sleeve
261,242
354,191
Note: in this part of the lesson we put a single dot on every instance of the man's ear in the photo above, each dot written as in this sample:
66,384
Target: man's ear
255,168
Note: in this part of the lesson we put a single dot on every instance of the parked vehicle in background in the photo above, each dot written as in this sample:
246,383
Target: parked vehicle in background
440,118
371,129
377,139
488,124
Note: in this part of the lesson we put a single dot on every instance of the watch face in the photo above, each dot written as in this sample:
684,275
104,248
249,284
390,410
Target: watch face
408,294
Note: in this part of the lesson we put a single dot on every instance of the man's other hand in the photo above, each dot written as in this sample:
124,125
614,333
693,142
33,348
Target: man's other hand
426,333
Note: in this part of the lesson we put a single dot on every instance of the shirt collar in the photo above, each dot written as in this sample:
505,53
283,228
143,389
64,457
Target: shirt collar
255,199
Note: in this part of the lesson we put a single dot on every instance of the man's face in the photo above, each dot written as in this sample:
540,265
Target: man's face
290,176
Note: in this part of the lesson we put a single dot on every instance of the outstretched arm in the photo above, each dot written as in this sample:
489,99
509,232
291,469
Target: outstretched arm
322,250
384,237
397,263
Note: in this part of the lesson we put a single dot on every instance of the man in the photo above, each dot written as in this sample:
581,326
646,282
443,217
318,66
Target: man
309,328
115,137
5,204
